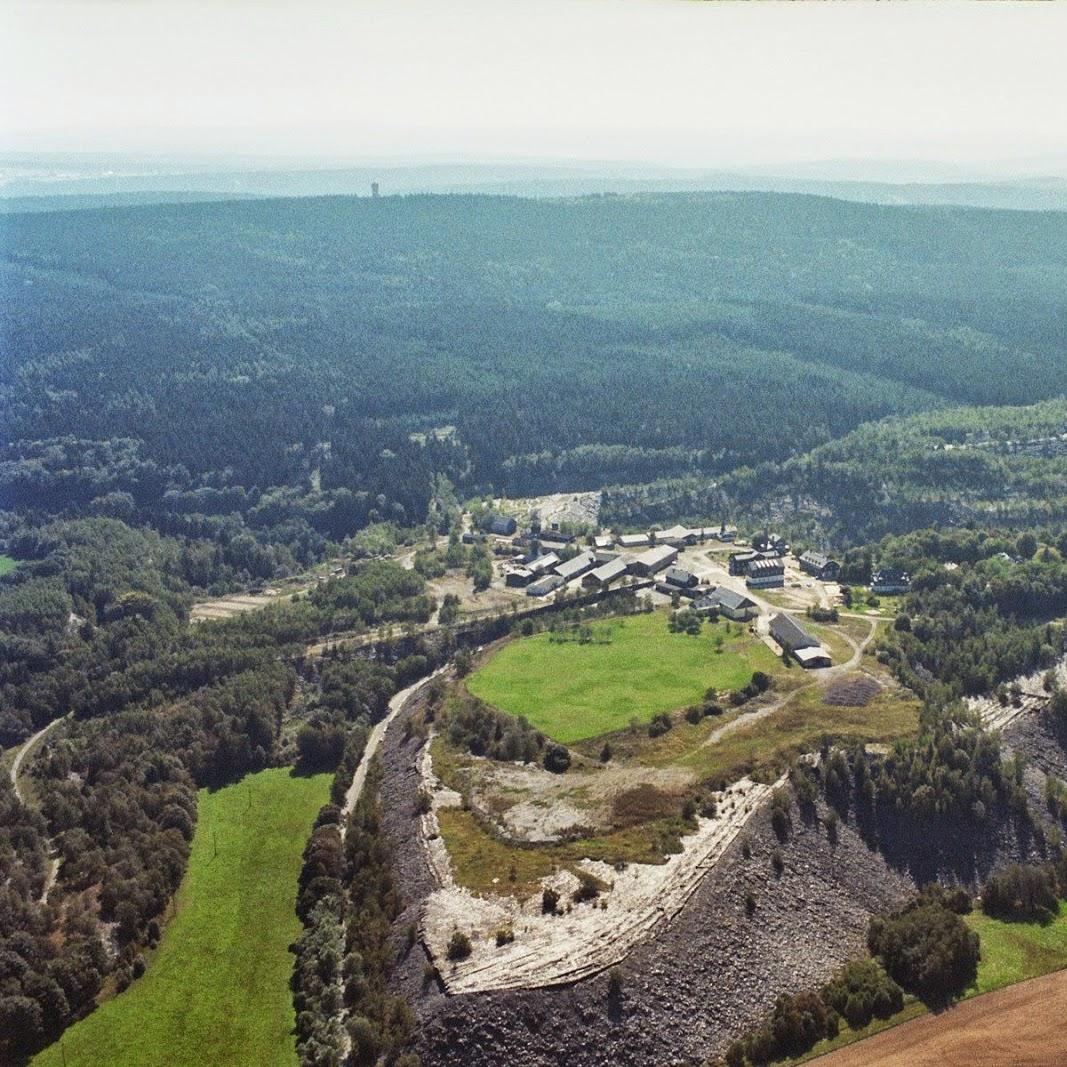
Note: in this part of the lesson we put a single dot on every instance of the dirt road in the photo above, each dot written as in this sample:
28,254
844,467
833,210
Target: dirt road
1021,1026
373,741
20,757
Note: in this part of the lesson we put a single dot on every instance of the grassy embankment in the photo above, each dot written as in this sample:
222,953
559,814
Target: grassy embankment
1011,952
217,990
634,669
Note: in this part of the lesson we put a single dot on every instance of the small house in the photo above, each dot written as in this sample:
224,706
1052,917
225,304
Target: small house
634,541
680,577
731,605
518,577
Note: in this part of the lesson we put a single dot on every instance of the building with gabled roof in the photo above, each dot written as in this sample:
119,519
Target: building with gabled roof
790,634
576,566
602,576
653,561
819,565
734,606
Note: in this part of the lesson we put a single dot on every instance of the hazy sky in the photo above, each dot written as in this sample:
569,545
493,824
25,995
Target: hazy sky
660,80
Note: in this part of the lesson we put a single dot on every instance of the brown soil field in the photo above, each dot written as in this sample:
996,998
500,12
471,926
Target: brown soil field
1021,1026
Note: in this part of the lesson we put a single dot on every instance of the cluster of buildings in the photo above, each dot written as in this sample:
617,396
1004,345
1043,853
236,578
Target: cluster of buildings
543,573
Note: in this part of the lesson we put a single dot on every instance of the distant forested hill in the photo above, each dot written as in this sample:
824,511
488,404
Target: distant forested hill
221,349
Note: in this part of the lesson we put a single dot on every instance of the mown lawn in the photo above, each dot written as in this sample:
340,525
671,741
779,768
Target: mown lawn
572,691
1011,952
7,564
217,990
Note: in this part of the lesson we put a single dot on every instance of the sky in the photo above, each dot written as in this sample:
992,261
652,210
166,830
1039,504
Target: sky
668,82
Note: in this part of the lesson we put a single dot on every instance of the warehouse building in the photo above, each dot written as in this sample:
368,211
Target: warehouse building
543,586
605,574
502,525
653,561
633,540
577,565
790,634
543,564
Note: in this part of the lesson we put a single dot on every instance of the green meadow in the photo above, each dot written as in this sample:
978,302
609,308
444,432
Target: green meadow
7,565
217,989
633,669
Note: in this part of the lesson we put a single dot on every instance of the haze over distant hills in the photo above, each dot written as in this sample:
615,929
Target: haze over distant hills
71,182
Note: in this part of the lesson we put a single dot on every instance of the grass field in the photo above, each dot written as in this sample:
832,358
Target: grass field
572,691
1011,952
7,564
217,990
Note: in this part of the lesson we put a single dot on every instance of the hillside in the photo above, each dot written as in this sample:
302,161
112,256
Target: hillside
570,343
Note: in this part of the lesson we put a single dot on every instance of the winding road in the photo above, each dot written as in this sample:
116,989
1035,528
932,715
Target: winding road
27,747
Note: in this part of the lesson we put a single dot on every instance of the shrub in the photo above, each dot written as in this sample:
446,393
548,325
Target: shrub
459,946
780,809
504,937
423,802
862,991
557,758
605,753
588,889
659,725
694,714
614,982
549,902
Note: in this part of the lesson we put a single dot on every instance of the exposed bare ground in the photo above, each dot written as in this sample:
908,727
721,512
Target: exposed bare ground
556,949
227,606
997,716
1021,1026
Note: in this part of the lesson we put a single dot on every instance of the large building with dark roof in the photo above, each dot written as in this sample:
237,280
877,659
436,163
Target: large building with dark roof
890,580
819,565
790,634
766,574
